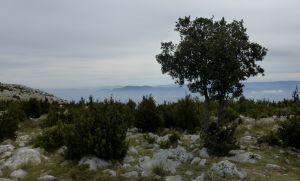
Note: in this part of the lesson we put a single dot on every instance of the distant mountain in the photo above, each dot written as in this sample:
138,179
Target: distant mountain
20,92
133,88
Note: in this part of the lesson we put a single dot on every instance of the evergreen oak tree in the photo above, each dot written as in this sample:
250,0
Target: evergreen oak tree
213,57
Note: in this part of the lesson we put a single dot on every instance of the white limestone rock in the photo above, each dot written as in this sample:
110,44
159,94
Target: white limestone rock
23,156
93,162
227,169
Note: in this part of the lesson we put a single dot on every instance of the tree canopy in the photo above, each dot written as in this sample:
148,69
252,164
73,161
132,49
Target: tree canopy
212,57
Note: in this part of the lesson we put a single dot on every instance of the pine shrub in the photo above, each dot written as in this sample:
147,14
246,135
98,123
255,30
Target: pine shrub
147,116
8,125
289,132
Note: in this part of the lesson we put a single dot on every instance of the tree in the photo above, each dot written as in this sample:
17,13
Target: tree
213,57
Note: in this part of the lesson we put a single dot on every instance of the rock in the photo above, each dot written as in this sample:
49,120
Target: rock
174,178
247,140
18,174
202,162
163,139
266,120
47,178
189,173
23,156
273,166
244,157
111,173
133,174
5,179
93,162
196,160
204,153
199,178
170,159
23,140
126,165
128,159
6,148
227,169
247,120
194,138
132,151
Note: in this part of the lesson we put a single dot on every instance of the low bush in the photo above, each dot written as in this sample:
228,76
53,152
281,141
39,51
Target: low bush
147,116
8,125
289,132
159,170
99,130
51,138
271,139
220,139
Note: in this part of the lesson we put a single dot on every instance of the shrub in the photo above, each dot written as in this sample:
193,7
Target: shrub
147,116
33,108
174,137
159,170
51,138
271,139
99,130
220,139
187,113
289,132
8,125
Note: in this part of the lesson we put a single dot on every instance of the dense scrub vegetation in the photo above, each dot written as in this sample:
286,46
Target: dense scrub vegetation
99,128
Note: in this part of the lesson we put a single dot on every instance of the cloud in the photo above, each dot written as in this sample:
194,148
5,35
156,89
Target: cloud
70,43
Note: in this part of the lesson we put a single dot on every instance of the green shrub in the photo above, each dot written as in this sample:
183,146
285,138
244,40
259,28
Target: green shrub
271,139
147,115
187,113
220,139
159,170
174,137
8,125
51,138
289,132
99,130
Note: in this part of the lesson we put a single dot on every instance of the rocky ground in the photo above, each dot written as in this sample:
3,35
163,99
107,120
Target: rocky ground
20,92
148,158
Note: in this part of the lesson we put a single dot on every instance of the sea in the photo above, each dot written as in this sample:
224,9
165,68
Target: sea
272,91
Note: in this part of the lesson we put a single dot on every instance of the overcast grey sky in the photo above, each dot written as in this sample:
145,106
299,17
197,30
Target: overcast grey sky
72,43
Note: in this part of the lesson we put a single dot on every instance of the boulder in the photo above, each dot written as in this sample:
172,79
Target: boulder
132,174
93,162
202,162
128,159
47,178
199,178
132,151
6,148
196,160
174,178
110,172
226,169
170,159
18,174
244,157
23,140
204,153
23,156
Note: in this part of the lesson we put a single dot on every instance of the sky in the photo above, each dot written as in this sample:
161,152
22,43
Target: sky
91,43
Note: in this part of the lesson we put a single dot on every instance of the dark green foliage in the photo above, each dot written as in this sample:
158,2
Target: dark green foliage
212,57
187,114
33,108
51,138
99,130
15,111
174,137
147,116
289,132
149,139
8,125
220,139
57,114
271,139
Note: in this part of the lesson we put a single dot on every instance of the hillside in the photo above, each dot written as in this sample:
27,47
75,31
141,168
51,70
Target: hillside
20,92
